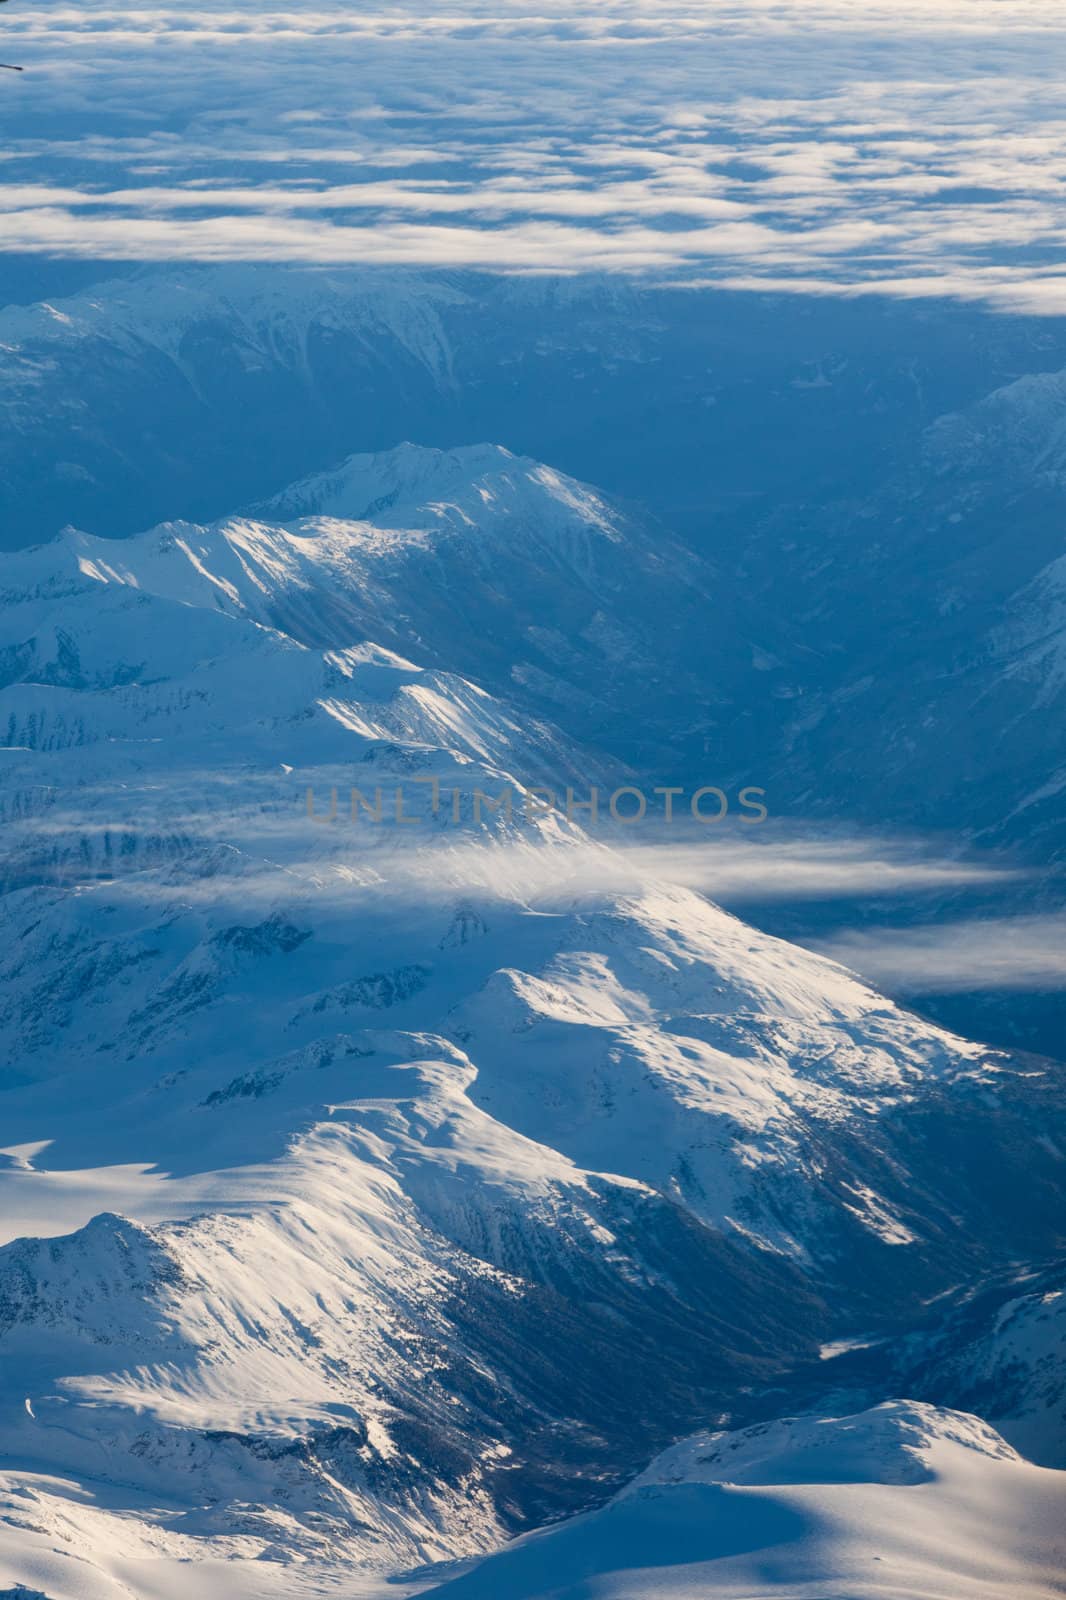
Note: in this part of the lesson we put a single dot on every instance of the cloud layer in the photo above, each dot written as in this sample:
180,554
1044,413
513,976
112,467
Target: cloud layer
818,145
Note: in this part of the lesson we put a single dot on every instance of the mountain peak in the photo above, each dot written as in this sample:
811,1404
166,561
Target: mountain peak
418,485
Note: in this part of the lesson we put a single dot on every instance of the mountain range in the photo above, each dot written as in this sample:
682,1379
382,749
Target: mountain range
388,1176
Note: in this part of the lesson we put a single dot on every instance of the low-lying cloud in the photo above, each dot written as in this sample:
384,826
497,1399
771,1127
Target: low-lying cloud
1003,953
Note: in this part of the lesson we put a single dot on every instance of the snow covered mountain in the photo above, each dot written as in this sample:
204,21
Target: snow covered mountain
377,1189
472,560
1020,427
116,400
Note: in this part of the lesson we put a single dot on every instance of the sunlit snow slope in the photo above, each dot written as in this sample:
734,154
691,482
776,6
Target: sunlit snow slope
905,1500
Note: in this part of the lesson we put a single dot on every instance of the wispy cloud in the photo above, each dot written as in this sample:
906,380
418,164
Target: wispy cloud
987,954
269,834
825,145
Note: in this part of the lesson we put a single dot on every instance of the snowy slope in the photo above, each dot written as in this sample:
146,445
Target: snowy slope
933,594
268,313
905,1500
472,560
1000,1351
1020,426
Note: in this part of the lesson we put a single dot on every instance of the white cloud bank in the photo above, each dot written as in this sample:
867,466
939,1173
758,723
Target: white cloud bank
827,146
